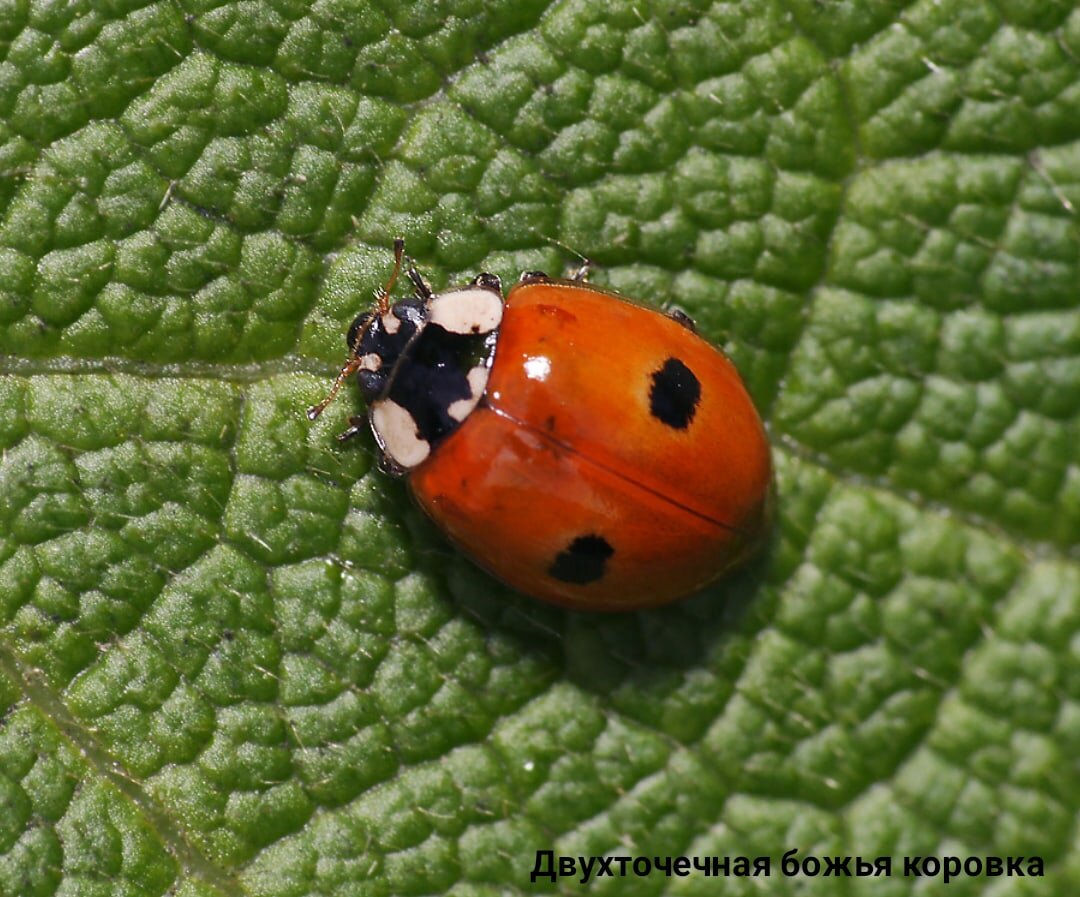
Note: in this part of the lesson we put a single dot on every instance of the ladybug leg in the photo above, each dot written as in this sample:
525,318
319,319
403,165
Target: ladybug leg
420,286
388,466
534,277
581,275
488,282
681,317
357,425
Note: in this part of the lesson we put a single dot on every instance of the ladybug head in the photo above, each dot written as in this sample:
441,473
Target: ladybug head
379,340
427,354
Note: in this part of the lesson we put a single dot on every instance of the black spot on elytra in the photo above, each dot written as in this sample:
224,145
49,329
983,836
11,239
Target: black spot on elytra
675,394
583,560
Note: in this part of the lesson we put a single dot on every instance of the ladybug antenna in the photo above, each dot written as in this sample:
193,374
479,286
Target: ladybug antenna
380,307
382,297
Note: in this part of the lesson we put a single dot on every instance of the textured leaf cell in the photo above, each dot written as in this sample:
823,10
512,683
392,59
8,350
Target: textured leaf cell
235,661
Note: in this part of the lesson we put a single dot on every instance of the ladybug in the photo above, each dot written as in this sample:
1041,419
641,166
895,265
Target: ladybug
583,448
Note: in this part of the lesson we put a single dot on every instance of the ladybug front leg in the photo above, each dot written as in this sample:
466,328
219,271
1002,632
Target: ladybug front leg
420,286
357,425
581,275
681,317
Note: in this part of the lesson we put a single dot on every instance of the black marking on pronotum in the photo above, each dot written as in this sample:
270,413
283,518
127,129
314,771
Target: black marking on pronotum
583,560
675,394
431,378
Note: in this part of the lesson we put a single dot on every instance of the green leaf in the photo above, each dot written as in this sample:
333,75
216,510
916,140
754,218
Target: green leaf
235,660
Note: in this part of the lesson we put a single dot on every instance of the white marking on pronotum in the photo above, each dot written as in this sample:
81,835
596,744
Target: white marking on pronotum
462,408
468,310
370,362
390,323
398,434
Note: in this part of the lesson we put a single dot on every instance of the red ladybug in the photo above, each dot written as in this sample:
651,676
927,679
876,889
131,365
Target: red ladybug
585,449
